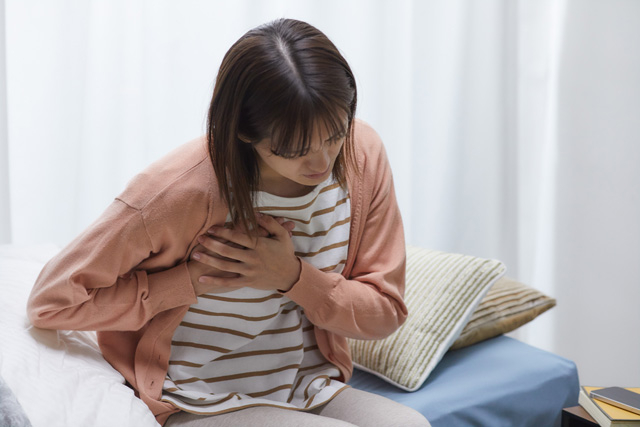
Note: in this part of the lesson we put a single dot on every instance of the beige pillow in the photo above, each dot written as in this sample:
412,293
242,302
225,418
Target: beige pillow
442,292
508,305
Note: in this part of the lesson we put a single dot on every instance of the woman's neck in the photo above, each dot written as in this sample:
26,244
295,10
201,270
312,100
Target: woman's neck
284,188
274,183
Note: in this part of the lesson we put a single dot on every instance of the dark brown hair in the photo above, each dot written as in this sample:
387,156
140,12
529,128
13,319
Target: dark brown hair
281,81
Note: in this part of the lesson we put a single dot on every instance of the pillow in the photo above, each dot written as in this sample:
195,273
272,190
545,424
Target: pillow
508,305
442,292
11,413
59,378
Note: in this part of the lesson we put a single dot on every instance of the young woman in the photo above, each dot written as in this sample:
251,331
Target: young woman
224,280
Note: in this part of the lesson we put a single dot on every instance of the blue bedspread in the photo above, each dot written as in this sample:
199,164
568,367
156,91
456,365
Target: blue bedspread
498,382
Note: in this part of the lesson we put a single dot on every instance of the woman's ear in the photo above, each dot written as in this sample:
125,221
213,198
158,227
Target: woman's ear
244,138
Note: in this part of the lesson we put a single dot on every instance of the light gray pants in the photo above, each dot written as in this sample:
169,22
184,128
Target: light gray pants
348,409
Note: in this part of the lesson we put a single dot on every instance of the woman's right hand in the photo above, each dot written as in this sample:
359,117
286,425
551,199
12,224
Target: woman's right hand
198,269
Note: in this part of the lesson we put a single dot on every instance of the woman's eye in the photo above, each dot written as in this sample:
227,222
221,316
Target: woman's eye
285,155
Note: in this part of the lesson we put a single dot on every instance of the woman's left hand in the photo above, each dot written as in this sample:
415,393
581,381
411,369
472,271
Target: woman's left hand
267,263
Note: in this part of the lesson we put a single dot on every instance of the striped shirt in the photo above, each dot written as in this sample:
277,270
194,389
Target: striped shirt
251,347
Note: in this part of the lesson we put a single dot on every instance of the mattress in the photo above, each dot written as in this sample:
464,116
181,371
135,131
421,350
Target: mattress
498,382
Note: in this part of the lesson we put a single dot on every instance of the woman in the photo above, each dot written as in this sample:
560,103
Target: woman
224,279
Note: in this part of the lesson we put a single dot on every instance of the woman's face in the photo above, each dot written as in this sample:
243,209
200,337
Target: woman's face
279,174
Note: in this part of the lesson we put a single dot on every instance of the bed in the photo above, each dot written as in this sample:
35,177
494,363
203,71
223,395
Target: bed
59,378
498,382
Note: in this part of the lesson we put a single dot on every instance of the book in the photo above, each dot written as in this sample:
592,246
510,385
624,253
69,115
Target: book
607,415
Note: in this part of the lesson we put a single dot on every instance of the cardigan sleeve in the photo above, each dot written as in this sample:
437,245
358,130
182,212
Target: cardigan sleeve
93,283
368,303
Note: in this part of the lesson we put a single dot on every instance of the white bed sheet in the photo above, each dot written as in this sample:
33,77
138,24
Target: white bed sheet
59,377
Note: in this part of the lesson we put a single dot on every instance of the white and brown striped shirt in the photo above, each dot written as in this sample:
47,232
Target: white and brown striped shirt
251,347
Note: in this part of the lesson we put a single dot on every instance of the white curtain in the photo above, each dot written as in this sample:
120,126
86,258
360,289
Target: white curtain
5,215
594,233
512,128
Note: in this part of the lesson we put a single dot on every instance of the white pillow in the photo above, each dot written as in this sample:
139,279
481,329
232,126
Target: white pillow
442,292
59,377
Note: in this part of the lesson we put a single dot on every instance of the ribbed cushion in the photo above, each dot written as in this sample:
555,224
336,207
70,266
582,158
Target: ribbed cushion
442,292
508,305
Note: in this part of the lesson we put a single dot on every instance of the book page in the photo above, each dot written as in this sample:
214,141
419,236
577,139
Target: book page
611,411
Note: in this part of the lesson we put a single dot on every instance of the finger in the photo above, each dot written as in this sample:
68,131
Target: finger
204,246
261,232
225,250
212,285
272,226
219,263
224,284
234,236
198,248
201,248
289,226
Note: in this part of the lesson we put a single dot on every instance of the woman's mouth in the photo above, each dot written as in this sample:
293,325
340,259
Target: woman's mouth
318,175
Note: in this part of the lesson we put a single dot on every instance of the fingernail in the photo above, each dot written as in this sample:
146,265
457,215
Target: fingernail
196,255
212,230
201,239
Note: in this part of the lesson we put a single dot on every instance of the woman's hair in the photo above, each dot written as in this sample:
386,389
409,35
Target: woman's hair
282,81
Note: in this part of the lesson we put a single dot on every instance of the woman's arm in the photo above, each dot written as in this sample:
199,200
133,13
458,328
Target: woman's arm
92,284
369,303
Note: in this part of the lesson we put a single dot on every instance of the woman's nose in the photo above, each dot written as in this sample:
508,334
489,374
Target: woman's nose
318,161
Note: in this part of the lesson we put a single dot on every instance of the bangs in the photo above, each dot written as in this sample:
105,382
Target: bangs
294,130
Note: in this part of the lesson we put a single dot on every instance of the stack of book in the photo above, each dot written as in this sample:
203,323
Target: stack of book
606,414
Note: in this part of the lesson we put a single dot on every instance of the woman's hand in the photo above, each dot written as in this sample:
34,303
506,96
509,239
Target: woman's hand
267,262
198,270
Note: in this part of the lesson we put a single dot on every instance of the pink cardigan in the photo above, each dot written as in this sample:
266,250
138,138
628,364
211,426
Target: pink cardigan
126,275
